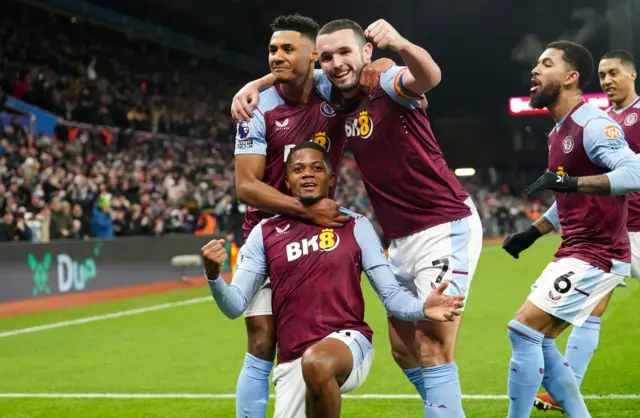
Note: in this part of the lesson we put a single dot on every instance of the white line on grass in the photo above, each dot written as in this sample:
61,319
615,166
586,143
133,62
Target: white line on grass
232,396
103,317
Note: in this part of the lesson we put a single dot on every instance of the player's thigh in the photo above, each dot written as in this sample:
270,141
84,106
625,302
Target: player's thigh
362,354
290,390
437,342
634,239
570,289
444,253
405,346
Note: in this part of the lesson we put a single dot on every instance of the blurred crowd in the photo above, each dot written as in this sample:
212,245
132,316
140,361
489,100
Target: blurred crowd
178,178
82,188
92,74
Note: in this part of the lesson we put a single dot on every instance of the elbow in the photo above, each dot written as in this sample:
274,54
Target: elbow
434,78
232,313
243,191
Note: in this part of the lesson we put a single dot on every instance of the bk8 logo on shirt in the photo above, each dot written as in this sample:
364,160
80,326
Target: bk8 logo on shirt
362,126
327,240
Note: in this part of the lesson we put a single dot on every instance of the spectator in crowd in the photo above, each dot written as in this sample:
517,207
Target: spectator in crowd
14,229
61,222
102,225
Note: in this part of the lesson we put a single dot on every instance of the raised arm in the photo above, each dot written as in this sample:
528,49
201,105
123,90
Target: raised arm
250,273
422,73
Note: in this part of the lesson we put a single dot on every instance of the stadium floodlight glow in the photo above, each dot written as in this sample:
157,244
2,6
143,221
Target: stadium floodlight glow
464,172
520,105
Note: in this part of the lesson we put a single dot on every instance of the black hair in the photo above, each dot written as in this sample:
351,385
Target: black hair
625,57
297,23
309,145
341,24
578,57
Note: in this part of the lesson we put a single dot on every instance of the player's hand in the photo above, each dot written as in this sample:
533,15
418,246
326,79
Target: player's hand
326,213
442,308
371,73
383,35
555,182
244,102
514,244
213,256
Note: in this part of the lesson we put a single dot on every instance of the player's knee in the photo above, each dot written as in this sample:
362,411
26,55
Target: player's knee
261,338
435,353
404,357
317,369
262,347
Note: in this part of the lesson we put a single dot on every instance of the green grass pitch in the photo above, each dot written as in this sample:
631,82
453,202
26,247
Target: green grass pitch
193,349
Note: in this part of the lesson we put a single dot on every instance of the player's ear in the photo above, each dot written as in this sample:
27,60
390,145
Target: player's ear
314,55
572,77
286,182
367,52
634,74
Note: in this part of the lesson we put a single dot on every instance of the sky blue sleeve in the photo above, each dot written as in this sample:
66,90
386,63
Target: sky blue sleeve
605,144
251,136
552,215
400,303
322,84
391,82
252,256
234,299
250,275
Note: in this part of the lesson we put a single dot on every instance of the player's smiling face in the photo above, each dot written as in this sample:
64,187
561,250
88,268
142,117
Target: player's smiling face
616,79
291,55
308,176
548,77
342,57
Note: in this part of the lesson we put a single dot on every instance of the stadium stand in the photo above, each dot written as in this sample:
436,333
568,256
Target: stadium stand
178,176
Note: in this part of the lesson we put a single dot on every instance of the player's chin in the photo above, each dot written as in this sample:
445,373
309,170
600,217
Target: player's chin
346,84
283,76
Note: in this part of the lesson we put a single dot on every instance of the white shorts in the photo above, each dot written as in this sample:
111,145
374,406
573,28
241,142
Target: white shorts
261,302
634,239
290,385
570,289
444,253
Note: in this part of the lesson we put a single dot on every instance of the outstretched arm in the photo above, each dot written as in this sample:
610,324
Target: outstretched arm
606,147
400,303
246,100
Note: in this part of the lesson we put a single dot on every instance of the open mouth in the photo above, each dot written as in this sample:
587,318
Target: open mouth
535,85
341,75
610,90
309,186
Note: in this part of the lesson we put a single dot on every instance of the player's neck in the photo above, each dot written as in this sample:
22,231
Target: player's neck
564,104
298,91
626,102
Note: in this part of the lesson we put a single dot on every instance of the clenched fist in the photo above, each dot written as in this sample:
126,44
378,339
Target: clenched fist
214,255
383,35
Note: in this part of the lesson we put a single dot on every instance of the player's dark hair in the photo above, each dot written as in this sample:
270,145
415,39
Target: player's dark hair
625,57
310,145
297,23
578,57
341,24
